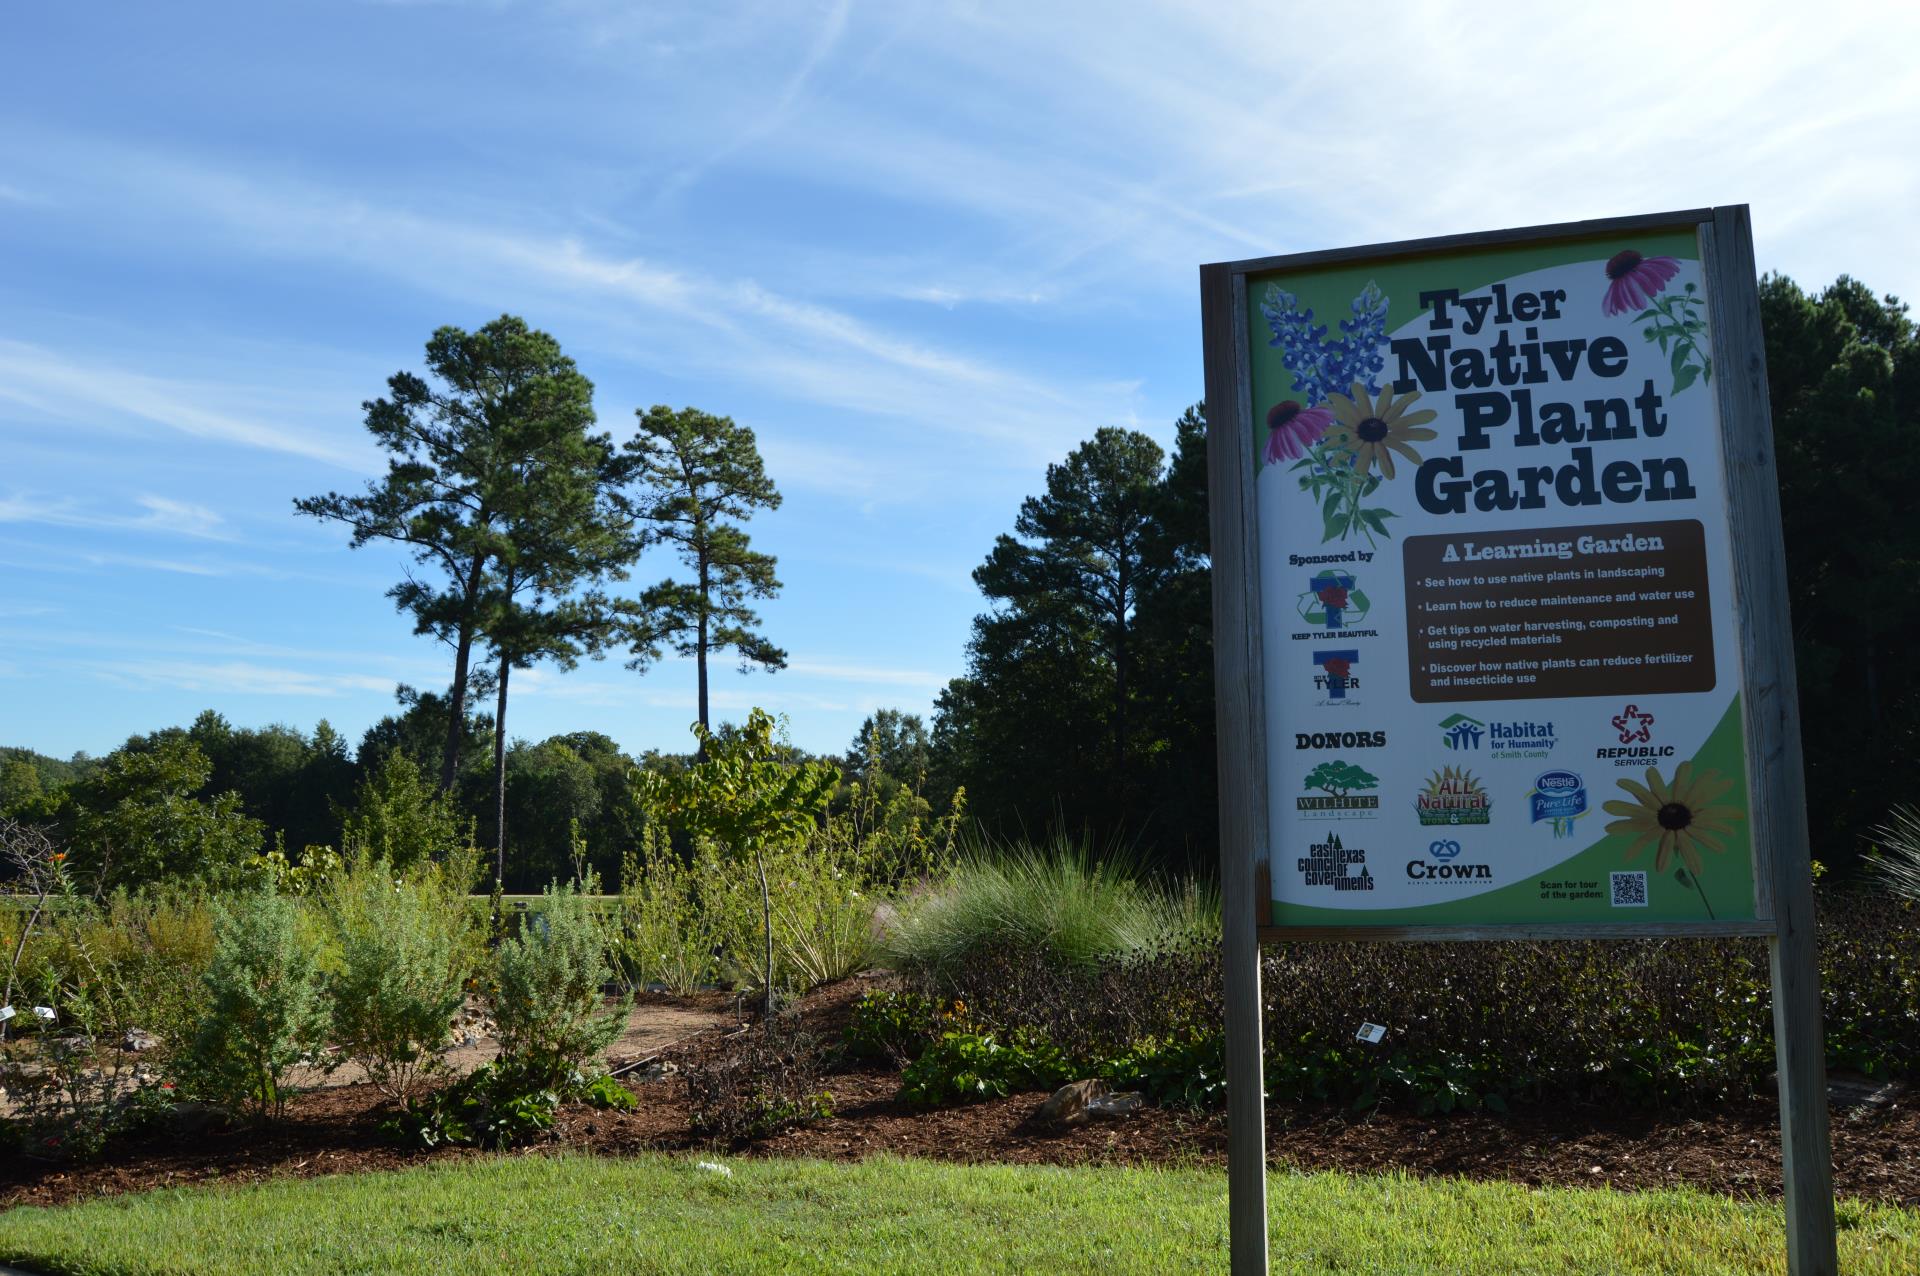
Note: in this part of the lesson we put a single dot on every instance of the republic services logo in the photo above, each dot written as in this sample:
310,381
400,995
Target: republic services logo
1634,726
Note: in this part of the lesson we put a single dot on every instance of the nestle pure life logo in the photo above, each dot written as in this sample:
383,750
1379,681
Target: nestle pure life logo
1558,799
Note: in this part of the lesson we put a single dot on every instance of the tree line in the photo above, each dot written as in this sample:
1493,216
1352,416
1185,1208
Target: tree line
1086,706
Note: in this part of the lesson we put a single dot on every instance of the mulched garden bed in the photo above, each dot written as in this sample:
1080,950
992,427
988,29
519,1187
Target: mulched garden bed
1728,1148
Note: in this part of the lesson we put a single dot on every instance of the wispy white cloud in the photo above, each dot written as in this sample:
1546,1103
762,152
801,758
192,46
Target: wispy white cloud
163,515
235,677
73,389
866,674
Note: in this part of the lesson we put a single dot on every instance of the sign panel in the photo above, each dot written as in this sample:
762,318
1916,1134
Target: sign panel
1502,668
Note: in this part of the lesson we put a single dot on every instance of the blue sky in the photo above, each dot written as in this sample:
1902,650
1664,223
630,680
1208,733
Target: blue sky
921,249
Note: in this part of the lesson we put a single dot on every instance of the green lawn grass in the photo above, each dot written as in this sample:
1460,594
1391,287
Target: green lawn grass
662,1214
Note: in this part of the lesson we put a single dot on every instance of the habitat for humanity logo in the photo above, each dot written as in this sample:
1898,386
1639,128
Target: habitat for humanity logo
1505,740
1335,680
1453,796
1633,727
1333,600
1339,781
1558,798
1446,870
1328,864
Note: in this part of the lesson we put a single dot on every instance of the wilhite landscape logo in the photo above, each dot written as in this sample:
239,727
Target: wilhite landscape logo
1338,781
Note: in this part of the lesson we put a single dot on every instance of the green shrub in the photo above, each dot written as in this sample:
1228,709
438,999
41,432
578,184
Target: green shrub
891,1026
965,1067
265,1008
1060,901
667,933
399,975
551,1012
769,1082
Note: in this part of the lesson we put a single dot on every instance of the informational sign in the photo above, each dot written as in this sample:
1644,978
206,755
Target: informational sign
1502,665
1501,643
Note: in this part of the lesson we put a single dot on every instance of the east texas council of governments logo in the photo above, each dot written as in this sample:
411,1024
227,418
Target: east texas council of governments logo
1504,740
1333,601
1334,679
1558,798
1332,863
1339,781
1453,796
1633,727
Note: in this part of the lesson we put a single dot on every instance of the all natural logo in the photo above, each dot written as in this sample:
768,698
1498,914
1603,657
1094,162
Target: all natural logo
1331,864
1633,727
1335,679
1558,799
1333,600
1461,732
1453,796
1339,784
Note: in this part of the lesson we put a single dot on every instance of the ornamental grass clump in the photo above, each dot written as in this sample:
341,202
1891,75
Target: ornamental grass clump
553,1017
1060,901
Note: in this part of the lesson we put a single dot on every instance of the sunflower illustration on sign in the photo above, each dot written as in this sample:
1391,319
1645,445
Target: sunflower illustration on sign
1677,819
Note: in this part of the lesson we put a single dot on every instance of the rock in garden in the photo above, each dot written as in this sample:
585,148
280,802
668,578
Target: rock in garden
139,1039
1081,1101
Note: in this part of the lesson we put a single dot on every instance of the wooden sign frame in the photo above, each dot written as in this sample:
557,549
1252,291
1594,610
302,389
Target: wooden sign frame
1775,780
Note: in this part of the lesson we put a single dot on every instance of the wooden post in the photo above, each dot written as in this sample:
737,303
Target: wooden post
1777,792
1240,732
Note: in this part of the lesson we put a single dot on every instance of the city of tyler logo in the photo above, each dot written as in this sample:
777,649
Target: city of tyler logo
1332,601
1634,726
1453,796
1336,672
1461,732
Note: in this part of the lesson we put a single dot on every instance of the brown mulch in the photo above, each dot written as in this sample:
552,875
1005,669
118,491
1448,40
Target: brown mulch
1728,1148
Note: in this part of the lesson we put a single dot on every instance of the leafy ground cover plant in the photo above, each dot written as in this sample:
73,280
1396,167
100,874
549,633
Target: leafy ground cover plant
265,1008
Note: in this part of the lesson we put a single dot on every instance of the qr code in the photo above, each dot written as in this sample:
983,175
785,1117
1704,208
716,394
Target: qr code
1629,890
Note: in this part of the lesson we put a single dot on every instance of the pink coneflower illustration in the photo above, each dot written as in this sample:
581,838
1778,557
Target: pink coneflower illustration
1636,280
1294,429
